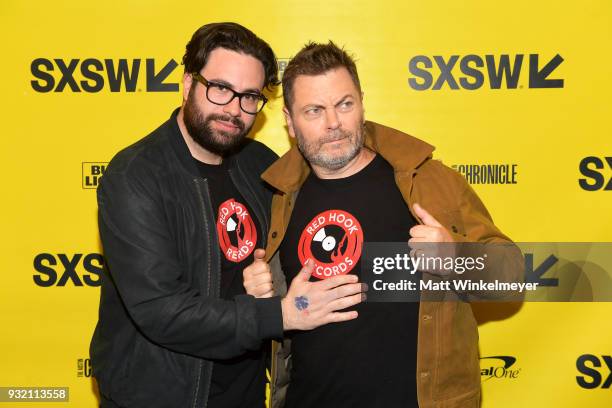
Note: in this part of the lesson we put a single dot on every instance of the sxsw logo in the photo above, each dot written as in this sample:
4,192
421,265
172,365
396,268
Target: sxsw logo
93,75
498,367
534,273
473,72
597,371
91,173
65,269
83,367
592,168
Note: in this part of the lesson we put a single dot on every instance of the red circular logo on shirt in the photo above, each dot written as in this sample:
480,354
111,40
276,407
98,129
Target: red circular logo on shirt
236,231
333,240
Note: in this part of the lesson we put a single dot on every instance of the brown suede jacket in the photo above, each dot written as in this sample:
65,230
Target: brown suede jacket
448,370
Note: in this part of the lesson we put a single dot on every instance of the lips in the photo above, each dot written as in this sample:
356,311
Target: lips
330,141
227,125
336,137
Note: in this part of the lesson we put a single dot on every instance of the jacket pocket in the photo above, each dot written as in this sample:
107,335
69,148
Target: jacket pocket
158,377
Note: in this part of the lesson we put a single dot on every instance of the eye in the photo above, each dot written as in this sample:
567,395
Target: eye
346,105
251,97
219,87
313,111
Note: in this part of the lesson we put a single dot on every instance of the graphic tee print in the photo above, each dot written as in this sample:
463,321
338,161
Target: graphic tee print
236,231
333,240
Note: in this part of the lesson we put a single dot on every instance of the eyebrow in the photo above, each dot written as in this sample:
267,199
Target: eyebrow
344,98
228,85
312,105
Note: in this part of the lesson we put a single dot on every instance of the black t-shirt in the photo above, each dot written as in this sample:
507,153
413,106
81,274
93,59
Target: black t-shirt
366,362
240,381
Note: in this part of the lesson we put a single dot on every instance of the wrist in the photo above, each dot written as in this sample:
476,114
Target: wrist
286,312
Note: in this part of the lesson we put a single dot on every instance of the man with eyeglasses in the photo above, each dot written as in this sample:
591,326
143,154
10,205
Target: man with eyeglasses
183,218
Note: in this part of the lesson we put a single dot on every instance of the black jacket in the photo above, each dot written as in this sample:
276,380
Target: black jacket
161,320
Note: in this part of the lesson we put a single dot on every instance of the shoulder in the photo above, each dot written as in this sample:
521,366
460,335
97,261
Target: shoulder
140,162
256,155
434,171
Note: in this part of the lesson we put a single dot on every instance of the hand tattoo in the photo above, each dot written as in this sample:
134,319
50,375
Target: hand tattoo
301,302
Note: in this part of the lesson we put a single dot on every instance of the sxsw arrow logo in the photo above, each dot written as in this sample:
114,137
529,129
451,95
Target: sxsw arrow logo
155,81
535,275
538,78
92,75
470,72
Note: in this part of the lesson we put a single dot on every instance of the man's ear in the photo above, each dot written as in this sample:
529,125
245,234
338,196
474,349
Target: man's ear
362,109
187,83
289,121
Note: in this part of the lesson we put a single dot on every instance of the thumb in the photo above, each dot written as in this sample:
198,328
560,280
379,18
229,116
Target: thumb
259,255
306,271
426,217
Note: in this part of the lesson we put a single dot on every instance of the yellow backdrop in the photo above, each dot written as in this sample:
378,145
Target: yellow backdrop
428,68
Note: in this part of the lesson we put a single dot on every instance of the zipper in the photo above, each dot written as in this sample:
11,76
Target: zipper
209,368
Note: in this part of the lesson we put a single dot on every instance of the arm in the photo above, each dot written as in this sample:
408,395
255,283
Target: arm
146,269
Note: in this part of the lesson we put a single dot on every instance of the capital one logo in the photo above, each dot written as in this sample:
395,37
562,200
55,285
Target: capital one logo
471,72
93,75
498,367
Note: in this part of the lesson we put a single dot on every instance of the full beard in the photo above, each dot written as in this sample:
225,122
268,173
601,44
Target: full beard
215,141
331,160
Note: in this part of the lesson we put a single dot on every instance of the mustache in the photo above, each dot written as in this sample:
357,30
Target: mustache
233,120
338,134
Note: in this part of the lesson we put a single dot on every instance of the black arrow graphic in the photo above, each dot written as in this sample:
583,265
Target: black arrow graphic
155,82
538,78
535,275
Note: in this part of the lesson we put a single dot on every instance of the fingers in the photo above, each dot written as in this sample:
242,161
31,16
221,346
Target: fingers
337,317
426,233
259,255
268,294
258,267
426,217
260,290
257,277
346,302
347,290
260,279
304,273
420,231
338,280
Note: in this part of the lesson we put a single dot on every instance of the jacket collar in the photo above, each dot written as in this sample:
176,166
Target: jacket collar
180,147
404,152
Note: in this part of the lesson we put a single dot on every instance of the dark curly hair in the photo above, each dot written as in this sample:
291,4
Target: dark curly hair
233,37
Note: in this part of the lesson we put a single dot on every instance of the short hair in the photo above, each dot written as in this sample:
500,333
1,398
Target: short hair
231,36
316,59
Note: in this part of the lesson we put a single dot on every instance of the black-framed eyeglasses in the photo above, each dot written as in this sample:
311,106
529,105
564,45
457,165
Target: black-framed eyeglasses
221,94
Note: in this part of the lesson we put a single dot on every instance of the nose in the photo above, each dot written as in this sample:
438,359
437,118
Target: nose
233,108
332,118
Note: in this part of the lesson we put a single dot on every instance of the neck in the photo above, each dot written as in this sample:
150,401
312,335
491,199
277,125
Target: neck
363,158
198,152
